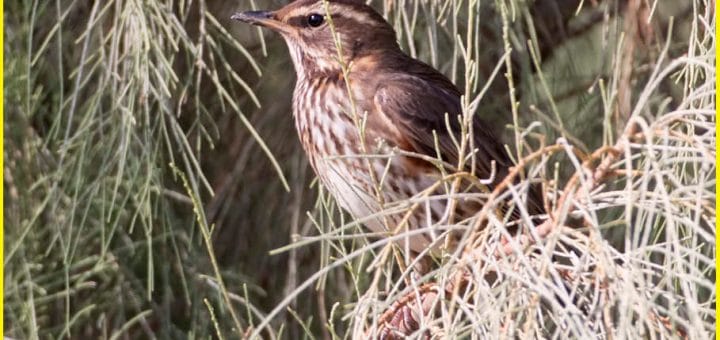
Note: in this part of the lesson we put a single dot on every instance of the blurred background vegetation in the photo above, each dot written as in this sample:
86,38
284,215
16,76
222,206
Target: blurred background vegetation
151,161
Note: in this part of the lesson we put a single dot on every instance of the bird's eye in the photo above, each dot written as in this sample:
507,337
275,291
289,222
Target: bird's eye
315,20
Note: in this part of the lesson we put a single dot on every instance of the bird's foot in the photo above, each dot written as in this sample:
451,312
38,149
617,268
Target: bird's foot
406,314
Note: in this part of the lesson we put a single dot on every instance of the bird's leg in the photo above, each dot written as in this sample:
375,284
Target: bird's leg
421,264
523,240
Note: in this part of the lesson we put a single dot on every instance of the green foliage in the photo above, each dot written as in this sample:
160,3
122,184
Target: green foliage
155,187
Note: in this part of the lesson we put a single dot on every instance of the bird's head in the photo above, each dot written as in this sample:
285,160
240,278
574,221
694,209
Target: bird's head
311,29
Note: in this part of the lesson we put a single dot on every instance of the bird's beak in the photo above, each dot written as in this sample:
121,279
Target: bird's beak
261,18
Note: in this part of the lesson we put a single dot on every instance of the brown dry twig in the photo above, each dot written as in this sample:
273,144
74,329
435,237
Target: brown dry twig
402,317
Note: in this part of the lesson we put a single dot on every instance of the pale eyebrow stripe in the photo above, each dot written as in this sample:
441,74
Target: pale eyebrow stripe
302,11
336,11
346,11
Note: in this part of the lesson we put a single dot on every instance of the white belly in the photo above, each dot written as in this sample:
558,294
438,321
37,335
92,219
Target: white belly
354,191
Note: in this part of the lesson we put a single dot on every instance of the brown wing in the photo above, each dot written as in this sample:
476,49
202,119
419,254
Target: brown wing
417,107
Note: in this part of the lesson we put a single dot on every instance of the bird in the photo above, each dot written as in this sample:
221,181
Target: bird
380,128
